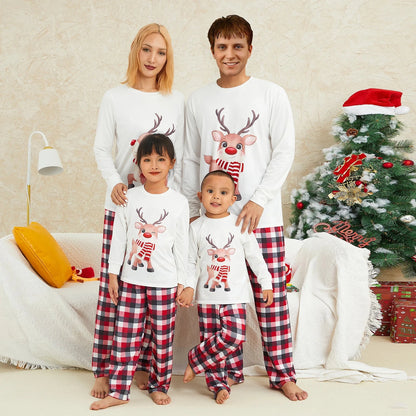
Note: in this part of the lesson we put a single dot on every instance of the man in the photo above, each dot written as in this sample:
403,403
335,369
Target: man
244,126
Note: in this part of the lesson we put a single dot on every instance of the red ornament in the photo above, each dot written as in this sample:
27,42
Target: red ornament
408,162
387,165
300,205
358,183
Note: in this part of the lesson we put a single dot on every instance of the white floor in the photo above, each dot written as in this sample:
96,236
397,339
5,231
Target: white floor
61,393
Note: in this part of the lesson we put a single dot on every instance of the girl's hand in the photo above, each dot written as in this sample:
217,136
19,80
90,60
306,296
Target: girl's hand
113,288
268,297
118,194
185,298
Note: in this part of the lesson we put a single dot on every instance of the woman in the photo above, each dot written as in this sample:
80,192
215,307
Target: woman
143,104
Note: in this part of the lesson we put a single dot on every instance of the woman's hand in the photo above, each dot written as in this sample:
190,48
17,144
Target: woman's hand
250,215
118,194
113,288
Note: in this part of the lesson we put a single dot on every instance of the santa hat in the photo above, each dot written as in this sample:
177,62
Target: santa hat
375,101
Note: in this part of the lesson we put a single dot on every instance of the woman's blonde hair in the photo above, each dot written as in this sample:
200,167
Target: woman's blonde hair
164,79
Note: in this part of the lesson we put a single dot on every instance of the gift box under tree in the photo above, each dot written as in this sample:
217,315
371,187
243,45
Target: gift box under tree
386,292
403,323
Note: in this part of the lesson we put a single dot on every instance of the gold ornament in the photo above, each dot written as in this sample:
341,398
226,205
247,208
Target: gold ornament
349,193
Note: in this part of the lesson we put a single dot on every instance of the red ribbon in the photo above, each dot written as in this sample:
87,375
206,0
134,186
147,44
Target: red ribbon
344,170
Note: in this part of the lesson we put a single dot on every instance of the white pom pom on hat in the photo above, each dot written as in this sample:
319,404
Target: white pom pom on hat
375,101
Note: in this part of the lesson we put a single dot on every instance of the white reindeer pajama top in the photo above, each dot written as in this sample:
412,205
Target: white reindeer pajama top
126,116
217,262
150,239
247,131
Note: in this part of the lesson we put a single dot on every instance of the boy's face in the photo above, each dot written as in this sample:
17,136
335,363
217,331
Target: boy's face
231,55
217,195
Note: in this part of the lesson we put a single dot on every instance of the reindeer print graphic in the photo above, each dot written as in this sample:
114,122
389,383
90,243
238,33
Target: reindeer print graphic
220,264
132,177
231,149
143,246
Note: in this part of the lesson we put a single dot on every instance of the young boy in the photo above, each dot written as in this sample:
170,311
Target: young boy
243,125
218,273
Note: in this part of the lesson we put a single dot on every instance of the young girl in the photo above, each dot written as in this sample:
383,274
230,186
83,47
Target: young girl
149,245
144,104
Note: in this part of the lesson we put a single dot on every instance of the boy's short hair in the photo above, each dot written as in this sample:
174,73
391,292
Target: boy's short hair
157,142
218,173
229,26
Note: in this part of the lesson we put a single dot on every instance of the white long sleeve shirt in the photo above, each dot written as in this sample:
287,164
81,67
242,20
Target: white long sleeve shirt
151,230
127,114
217,262
254,122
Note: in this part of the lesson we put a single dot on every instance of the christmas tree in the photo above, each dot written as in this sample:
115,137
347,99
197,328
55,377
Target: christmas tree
365,191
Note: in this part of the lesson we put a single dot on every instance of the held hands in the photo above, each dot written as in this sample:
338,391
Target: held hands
185,298
250,215
113,288
118,194
268,297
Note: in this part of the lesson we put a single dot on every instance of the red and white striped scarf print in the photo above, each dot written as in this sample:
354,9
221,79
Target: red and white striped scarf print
146,250
233,168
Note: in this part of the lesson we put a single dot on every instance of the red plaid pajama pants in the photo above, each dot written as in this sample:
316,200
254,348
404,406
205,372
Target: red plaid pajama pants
273,320
222,331
106,312
135,303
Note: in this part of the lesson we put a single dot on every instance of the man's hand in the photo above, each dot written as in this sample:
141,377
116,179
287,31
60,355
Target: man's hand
250,215
118,194
185,298
113,288
268,297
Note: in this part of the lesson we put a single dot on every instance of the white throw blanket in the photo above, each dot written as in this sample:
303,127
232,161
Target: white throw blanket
336,310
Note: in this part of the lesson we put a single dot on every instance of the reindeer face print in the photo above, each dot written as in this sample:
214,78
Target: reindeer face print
220,264
231,150
132,177
145,243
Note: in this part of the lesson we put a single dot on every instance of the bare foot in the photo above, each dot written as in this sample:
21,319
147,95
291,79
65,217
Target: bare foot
293,392
142,378
189,374
160,398
231,382
222,396
101,388
107,402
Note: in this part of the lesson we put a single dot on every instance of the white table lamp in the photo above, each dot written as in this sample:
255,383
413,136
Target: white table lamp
49,164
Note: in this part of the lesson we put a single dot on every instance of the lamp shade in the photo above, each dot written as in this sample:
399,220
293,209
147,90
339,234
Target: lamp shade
49,162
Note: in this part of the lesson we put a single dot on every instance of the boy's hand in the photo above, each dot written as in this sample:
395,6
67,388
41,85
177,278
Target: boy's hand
268,297
250,215
185,298
113,288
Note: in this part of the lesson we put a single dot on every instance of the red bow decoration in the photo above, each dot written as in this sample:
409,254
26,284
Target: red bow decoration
344,170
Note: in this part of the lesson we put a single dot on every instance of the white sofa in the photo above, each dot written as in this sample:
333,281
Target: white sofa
45,327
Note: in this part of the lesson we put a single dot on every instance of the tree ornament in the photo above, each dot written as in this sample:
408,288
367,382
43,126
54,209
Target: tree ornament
387,165
408,162
350,194
300,205
352,132
407,218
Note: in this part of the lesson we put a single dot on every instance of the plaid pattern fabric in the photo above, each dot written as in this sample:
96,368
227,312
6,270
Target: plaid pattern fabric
106,312
274,320
222,331
134,303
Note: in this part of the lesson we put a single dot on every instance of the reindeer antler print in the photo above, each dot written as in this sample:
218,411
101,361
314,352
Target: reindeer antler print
162,217
249,123
221,120
139,213
156,123
230,239
209,239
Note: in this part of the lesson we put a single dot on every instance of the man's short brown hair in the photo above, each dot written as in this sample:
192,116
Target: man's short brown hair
228,27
